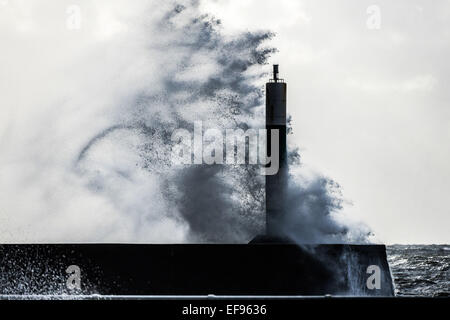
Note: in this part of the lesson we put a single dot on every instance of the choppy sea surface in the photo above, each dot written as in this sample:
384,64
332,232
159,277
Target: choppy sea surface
420,270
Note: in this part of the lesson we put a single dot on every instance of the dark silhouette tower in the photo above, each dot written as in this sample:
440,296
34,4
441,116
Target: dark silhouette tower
276,185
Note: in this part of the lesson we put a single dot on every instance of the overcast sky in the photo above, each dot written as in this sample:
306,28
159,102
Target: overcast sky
368,89
370,102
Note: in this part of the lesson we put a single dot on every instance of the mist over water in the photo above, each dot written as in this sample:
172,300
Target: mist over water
85,138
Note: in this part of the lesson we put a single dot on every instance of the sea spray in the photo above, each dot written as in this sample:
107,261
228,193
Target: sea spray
90,161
